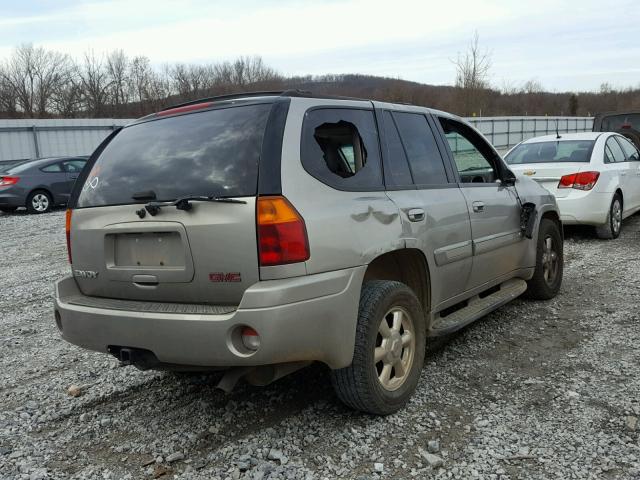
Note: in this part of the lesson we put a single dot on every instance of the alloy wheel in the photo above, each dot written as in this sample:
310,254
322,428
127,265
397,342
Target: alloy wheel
40,202
550,260
616,216
395,348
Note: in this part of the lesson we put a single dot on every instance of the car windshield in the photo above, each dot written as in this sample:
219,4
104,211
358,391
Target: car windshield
213,152
551,152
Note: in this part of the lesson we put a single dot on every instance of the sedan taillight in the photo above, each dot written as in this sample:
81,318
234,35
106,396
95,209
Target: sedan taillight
579,181
6,181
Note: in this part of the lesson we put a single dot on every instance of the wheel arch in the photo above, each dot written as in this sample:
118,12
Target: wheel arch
405,265
553,216
40,188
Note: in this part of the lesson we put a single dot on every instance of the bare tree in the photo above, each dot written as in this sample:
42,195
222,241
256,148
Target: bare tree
67,99
140,74
7,95
472,76
95,83
532,86
33,74
118,72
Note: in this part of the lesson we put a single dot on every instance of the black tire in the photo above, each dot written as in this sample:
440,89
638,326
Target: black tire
613,226
358,385
46,203
8,209
546,280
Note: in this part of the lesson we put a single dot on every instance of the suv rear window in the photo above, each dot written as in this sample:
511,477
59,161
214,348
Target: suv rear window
551,152
613,123
213,152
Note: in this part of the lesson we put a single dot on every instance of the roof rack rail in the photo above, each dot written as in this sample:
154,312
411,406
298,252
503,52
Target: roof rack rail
280,93
229,96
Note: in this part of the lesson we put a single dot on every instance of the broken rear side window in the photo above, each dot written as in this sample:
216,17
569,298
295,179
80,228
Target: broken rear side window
340,148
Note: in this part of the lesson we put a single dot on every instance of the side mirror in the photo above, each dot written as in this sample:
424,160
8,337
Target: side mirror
508,178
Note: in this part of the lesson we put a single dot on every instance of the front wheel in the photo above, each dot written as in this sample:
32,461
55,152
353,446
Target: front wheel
389,350
547,277
612,227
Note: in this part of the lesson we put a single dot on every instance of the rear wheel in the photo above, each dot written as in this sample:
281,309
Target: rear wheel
547,277
8,209
612,227
39,202
389,350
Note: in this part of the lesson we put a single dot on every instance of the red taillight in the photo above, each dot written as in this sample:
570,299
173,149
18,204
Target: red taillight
579,181
282,234
186,108
6,181
67,228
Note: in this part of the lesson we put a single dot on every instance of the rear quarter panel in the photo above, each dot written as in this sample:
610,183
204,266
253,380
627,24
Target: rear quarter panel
345,229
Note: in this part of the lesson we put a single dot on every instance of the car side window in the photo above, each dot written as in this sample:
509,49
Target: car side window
425,160
474,157
340,147
74,166
396,168
53,168
614,151
629,148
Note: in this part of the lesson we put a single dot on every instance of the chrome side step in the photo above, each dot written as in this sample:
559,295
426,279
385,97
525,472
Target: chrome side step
477,307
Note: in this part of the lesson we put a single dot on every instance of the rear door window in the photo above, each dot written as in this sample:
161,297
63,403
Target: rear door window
421,149
53,168
613,152
74,166
340,147
629,149
213,152
396,168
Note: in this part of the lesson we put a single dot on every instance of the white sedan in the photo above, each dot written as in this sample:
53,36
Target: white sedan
594,176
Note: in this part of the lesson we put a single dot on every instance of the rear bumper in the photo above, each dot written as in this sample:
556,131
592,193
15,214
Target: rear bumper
584,208
8,199
310,318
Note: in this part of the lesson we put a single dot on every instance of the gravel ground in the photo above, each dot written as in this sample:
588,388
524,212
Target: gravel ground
535,390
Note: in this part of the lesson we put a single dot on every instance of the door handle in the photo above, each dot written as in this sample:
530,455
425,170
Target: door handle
623,174
73,177
415,214
478,207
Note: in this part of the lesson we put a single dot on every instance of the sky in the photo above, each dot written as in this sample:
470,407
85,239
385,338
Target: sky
566,45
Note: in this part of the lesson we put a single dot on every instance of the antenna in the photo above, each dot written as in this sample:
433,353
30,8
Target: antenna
557,132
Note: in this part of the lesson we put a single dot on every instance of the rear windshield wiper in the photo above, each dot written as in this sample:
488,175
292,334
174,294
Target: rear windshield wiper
184,203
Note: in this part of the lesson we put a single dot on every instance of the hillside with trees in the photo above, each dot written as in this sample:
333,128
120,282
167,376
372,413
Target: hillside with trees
39,83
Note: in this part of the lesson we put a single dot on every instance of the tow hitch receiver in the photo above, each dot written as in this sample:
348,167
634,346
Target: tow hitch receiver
138,357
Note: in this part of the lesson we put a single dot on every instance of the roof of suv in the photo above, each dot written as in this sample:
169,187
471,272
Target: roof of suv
273,95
